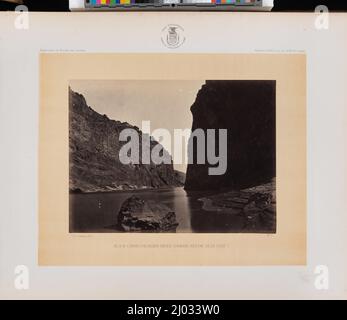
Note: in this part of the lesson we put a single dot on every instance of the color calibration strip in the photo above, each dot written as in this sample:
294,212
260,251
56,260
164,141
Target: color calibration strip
111,2
233,1
115,2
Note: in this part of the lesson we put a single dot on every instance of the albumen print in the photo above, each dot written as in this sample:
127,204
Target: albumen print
215,144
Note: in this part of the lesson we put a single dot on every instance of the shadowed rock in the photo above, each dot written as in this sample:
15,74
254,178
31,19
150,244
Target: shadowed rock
137,215
247,109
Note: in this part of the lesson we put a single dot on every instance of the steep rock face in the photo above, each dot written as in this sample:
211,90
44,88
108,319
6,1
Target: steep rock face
247,109
94,154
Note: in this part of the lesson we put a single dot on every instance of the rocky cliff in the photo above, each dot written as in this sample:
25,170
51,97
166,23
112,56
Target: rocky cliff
247,109
94,154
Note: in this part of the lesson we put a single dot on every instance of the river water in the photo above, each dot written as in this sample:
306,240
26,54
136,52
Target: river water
97,212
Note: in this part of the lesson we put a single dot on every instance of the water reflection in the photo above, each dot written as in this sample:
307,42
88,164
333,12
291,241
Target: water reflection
98,212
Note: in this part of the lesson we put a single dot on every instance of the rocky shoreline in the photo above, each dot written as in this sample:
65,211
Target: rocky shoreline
110,189
257,206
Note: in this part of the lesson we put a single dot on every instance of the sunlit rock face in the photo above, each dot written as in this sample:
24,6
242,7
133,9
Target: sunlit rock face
94,155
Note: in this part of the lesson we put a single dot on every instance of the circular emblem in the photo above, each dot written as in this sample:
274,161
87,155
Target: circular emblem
172,36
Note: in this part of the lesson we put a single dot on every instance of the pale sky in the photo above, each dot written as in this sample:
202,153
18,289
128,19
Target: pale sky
165,103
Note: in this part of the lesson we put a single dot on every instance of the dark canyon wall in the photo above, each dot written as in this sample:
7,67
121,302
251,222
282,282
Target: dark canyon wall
247,109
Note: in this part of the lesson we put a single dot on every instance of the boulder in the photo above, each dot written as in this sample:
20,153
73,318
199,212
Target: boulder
138,215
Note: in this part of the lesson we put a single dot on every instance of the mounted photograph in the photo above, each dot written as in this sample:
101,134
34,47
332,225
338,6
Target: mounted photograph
173,156
177,159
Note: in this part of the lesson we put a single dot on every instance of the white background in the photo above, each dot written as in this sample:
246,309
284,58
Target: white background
205,33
